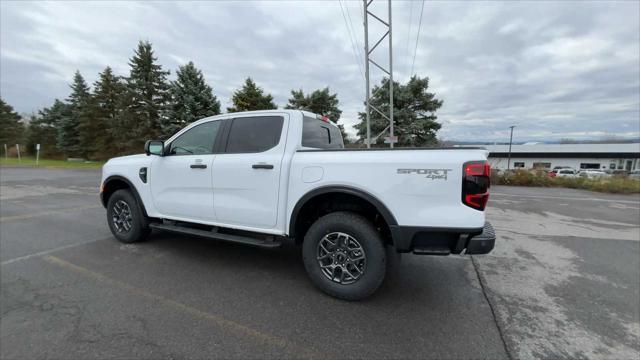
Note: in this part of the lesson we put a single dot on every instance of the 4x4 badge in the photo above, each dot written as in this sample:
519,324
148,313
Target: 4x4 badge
433,174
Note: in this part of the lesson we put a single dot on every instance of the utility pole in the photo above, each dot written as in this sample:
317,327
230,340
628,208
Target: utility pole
510,142
366,66
391,139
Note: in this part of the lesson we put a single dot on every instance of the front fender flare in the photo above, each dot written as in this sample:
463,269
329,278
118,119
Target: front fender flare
105,186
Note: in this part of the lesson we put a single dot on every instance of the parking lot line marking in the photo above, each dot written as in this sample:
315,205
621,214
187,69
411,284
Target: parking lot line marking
46,252
45,213
567,198
215,319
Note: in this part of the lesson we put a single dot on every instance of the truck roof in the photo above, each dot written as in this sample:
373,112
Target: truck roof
274,111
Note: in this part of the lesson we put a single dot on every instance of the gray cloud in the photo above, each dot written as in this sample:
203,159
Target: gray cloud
565,69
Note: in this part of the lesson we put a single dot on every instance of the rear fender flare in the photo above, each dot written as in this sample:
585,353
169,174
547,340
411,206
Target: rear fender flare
382,209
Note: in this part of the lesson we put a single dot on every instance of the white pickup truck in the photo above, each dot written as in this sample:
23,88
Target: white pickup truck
263,177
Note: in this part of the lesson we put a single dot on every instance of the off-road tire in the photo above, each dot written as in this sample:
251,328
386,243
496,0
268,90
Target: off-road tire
367,237
139,229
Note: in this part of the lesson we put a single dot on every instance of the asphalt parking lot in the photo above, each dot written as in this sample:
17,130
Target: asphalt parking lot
563,281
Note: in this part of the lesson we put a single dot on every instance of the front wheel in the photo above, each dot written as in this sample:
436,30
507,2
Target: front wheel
344,255
125,218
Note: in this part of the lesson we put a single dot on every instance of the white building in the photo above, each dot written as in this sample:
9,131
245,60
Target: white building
578,156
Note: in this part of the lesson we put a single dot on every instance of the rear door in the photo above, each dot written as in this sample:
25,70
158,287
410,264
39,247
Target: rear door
181,180
246,177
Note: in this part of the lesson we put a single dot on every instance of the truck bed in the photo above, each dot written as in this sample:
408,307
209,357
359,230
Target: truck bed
420,186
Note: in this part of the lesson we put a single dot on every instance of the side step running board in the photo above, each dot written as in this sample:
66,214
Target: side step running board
431,250
216,235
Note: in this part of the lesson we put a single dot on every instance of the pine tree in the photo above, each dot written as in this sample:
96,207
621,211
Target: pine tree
414,112
106,107
69,138
320,102
147,98
11,126
298,101
251,97
43,128
191,98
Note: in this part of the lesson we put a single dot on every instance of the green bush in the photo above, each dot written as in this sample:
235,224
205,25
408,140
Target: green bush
616,184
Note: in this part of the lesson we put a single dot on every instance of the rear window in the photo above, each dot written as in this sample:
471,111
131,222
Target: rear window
321,135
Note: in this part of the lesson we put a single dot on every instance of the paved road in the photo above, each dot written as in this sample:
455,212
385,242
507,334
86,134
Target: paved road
563,281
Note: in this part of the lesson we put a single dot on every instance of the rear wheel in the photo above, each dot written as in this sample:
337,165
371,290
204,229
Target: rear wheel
125,218
344,256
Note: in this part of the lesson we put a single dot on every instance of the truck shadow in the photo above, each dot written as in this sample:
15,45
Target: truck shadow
425,279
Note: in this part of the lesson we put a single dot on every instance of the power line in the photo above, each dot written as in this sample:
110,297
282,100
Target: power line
353,30
417,38
406,62
353,46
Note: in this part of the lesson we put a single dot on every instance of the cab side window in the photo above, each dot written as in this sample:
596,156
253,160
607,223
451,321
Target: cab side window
198,140
320,135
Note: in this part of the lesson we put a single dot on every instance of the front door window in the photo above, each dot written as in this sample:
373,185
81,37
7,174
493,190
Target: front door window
198,140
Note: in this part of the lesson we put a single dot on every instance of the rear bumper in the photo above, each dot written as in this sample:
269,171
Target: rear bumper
443,241
482,243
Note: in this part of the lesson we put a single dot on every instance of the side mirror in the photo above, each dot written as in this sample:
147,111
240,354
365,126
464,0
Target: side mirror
154,147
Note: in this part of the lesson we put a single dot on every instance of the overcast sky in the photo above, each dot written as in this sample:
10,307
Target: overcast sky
561,69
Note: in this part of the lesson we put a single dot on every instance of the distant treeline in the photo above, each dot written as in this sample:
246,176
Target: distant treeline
119,114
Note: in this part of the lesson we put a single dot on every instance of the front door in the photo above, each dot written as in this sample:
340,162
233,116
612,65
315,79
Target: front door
181,181
246,177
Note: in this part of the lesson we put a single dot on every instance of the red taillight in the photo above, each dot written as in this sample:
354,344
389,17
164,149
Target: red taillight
477,201
477,169
475,184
